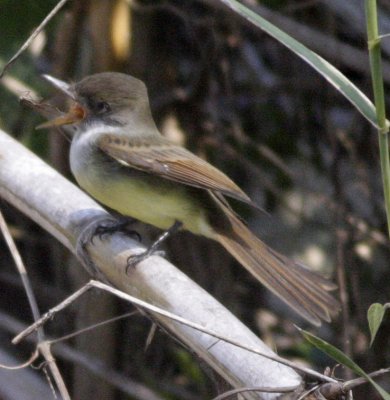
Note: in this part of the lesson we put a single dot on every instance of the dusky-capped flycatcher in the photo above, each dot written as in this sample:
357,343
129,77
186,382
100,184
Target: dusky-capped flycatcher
120,158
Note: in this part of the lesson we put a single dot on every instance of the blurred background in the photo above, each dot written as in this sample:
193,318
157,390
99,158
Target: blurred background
236,97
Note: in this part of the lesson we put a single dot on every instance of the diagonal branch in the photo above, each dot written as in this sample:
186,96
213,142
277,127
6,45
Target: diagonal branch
63,210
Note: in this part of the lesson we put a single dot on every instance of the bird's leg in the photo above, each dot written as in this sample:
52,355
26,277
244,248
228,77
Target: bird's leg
133,260
100,227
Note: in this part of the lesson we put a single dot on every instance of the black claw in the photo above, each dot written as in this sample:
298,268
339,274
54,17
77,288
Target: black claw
91,240
135,234
135,259
121,226
99,227
101,231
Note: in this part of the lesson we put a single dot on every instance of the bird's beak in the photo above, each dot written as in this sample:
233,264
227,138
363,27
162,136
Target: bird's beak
76,112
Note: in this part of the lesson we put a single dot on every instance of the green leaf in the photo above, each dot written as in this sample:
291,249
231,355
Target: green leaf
375,316
331,351
341,358
328,71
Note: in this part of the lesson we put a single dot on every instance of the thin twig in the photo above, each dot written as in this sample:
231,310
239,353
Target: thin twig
69,300
94,326
120,381
43,346
334,390
35,33
27,363
18,87
359,381
96,284
264,389
22,271
305,394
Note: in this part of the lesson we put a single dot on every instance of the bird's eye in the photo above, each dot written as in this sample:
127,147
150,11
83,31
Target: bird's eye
102,107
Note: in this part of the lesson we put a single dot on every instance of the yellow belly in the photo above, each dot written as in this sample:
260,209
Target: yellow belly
157,202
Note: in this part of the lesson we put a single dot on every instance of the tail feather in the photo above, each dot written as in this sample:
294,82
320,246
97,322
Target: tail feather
304,290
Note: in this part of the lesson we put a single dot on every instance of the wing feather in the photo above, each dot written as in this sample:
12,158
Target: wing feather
170,162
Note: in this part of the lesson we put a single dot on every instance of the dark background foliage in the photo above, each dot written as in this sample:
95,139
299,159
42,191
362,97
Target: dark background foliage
239,99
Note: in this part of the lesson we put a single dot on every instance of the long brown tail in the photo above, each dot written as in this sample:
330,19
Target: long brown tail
304,290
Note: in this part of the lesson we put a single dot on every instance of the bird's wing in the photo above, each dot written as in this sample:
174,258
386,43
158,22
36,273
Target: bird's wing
171,162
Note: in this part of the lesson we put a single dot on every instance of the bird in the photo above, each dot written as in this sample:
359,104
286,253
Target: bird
120,158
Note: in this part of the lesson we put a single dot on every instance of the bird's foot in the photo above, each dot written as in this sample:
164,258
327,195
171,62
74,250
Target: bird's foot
111,226
100,227
135,259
